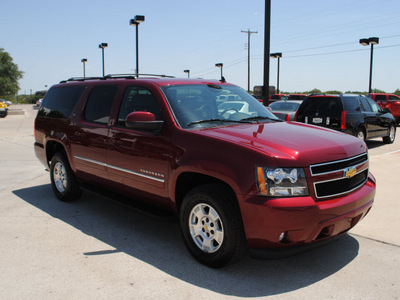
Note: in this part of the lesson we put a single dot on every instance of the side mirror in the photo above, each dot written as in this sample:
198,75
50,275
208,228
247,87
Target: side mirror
144,121
386,110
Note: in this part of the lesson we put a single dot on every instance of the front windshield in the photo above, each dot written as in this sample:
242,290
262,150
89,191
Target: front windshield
210,105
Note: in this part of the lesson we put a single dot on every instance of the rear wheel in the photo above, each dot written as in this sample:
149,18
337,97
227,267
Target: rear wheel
392,135
211,226
360,134
63,181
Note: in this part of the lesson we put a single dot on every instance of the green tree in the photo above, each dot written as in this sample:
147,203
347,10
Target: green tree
9,74
314,91
333,92
397,92
378,91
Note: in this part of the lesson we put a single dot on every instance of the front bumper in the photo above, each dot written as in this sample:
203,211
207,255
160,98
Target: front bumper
297,222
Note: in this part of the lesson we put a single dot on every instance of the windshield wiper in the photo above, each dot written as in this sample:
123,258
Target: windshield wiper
261,118
213,120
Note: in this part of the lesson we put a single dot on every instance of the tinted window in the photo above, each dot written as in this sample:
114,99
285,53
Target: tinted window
375,107
380,97
351,104
297,97
60,101
324,106
98,106
394,98
364,104
138,99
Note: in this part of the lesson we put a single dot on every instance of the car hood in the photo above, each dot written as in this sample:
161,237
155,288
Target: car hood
291,143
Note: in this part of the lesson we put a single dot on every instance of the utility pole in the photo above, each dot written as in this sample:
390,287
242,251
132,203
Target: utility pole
267,29
248,56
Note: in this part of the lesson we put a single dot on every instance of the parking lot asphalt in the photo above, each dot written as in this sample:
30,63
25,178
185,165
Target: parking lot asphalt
95,248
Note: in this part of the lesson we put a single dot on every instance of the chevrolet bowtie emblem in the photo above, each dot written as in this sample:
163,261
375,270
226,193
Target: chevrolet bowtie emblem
350,172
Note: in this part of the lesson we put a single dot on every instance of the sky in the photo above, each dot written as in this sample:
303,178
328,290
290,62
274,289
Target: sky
318,39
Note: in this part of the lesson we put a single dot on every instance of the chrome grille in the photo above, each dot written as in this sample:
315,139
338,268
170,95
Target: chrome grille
354,175
334,166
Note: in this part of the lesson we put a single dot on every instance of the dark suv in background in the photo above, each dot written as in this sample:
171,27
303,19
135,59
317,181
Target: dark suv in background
352,114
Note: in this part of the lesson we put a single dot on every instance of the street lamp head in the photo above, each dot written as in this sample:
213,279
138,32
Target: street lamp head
219,65
84,60
136,20
103,45
374,40
139,19
276,55
186,71
364,42
371,40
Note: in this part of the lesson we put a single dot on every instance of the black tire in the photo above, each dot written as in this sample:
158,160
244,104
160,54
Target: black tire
360,134
392,135
222,230
63,180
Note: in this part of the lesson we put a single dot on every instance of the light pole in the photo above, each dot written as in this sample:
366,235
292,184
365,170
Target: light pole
84,60
102,46
248,56
277,55
135,22
188,72
220,65
365,42
267,36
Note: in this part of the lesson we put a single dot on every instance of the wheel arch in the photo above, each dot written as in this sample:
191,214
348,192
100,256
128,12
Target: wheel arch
188,180
53,147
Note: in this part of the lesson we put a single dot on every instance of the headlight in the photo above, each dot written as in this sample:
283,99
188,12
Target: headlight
281,182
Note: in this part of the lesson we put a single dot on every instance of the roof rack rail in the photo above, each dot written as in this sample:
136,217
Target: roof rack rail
111,76
82,79
157,75
128,76
135,76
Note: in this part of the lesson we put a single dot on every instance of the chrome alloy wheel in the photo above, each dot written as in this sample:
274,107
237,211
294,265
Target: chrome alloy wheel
60,177
206,228
392,133
361,135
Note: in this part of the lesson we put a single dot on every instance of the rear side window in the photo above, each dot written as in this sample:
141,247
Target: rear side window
380,97
351,104
60,101
321,106
365,105
394,98
375,107
99,104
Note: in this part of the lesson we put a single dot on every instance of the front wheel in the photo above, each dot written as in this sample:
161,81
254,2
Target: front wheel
392,135
211,225
63,181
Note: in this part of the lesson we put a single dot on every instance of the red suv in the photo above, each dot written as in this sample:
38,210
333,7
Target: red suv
237,178
390,101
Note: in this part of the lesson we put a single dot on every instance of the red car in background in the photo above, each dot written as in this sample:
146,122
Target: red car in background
299,97
390,101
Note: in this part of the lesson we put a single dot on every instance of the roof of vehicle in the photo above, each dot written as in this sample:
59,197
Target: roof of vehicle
383,94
